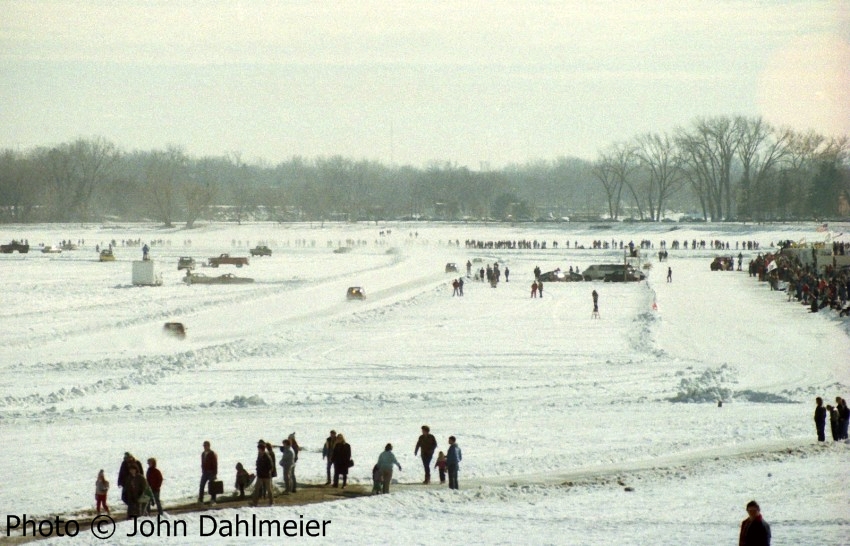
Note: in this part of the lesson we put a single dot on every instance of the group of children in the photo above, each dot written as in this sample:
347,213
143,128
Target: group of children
377,483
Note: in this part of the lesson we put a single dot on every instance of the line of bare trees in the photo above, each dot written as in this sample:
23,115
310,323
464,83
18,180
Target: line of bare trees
732,168
725,168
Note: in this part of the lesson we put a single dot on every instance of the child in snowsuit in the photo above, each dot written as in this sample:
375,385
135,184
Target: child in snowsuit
441,466
101,488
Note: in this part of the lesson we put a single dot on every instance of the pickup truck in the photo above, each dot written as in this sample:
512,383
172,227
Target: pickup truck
227,259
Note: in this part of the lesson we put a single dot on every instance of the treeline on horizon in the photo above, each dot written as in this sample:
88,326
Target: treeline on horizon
718,169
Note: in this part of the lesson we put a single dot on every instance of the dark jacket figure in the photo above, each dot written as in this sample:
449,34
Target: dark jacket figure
427,443
534,289
453,459
833,422
327,453
754,530
820,419
134,487
342,459
209,470
154,478
264,475
843,417
124,471
595,302
507,274
243,479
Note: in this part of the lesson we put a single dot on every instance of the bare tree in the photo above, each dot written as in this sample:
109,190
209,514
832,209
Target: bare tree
165,173
708,152
613,169
75,171
761,151
20,186
659,155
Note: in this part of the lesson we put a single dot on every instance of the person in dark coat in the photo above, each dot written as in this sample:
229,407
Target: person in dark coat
342,458
134,487
453,459
833,422
243,479
327,453
124,470
427,443
209,471
820,419
754,530
154,477
264,475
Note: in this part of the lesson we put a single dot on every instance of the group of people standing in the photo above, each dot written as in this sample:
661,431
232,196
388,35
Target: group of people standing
139,490
839,418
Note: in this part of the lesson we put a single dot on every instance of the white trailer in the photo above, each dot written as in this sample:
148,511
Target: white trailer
144,273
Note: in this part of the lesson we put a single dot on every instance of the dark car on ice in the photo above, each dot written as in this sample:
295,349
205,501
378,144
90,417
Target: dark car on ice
560,276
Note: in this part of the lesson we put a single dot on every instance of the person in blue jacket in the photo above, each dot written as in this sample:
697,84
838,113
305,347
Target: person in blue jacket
453,459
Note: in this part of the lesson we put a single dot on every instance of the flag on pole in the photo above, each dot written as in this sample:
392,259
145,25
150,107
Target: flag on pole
771,266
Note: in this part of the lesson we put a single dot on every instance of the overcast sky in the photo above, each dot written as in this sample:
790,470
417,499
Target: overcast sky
489,82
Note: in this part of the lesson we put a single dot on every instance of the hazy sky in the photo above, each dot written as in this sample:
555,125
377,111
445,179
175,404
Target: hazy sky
411,82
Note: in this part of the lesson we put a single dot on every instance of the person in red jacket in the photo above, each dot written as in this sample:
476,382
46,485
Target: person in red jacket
209,470
154,477
754,530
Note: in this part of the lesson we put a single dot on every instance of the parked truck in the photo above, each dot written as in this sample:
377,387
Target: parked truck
227,259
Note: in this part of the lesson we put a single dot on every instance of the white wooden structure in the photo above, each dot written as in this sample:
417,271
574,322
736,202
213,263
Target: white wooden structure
144,273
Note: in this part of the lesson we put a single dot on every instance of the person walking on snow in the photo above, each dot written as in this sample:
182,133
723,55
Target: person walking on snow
669,274
428,444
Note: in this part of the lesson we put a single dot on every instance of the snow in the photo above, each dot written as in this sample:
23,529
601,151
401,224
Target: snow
556,413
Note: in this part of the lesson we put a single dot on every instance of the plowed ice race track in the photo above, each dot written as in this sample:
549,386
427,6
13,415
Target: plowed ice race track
556,413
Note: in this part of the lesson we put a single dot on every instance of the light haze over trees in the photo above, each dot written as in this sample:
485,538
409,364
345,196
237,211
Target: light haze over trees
718,169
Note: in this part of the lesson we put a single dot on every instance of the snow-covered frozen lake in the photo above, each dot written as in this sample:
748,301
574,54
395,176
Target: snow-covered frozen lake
556,413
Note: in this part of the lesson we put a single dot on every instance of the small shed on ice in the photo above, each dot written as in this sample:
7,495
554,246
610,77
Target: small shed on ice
144,273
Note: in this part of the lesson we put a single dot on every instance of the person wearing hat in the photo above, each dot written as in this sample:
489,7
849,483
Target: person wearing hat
264,475
327,453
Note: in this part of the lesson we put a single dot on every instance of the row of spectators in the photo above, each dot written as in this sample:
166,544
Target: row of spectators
817,287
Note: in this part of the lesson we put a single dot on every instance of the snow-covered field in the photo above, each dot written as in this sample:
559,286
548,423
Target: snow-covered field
556,413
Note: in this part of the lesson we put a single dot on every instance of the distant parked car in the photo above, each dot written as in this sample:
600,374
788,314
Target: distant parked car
15,246
185,262
451,267
355,293
175,329
228,278
261,250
